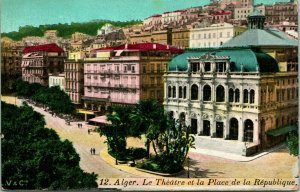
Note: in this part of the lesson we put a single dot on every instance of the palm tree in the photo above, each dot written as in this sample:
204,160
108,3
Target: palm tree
149,118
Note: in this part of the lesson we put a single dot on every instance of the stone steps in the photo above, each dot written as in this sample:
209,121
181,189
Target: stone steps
219,144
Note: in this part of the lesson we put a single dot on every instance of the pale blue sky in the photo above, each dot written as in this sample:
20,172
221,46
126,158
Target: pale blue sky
15,13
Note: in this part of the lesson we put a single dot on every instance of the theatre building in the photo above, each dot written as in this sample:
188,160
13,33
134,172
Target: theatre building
236,99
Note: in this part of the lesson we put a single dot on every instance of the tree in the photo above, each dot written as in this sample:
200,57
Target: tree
149,118
292,143
36,155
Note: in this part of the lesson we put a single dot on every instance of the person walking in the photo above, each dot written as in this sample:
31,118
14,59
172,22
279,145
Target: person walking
94,151
91,151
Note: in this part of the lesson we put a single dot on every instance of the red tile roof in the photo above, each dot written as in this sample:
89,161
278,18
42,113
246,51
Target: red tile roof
222,13
43,48
142,47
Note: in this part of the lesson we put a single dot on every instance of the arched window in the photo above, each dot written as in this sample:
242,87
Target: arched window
220,94
231,95
234,129
194,92
180,92
174,92
169,91
237,95
184,92
252,96
245,96
248,131
206,93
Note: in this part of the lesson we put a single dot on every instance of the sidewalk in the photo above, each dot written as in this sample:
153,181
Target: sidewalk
236,157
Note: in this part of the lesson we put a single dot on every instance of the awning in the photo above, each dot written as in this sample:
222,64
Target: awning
282,130
100,119
84,111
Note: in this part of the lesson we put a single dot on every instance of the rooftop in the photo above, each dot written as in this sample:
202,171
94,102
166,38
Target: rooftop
43,48
141,47
241,59
262,38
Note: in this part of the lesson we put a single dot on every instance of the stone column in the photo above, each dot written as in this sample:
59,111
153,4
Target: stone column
212,126
241,129
200,124
256,128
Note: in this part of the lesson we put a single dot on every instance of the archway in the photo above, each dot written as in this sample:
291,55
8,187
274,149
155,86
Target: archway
220,94
194,92
234,129
206,127
206,93
248,131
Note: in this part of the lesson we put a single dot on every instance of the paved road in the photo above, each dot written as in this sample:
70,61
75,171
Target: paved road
278,164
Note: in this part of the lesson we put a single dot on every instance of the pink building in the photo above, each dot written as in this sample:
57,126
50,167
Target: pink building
124,75
40,61
222,16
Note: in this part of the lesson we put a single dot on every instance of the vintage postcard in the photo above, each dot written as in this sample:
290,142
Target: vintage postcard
149,95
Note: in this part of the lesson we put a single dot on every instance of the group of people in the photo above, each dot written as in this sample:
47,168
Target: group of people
79,125
93,151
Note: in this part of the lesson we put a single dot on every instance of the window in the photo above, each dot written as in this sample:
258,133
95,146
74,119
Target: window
194,92
184,92
221,67
180,92
132,69
144,69
252,96
207,67
195,67
245,96
206,93
237,95
169,92
174,92
231,95
125,69
220,94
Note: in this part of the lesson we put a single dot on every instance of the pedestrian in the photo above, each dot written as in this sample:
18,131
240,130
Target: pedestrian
78,125
91,151
94,150
88,131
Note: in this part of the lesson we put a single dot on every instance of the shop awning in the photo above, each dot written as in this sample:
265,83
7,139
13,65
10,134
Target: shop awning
282,130
100,119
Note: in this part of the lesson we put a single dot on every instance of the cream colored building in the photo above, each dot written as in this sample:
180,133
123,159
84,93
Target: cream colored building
57,80
214,35
242,13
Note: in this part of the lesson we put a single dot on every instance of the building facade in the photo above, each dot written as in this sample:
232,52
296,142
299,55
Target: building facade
124,75
74,76
40,61
57,80
11,56
214,35
231,98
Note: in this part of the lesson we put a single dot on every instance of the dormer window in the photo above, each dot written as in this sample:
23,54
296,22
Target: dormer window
221,67
195,67
207,66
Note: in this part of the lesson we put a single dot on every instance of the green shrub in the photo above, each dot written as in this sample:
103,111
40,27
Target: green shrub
129,154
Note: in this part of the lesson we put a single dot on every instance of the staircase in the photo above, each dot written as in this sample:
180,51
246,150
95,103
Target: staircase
219,144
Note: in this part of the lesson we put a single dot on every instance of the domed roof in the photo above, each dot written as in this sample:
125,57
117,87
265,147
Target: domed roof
241,59
256,13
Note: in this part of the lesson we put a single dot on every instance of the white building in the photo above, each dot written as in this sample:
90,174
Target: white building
242,13
57,80
214,35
